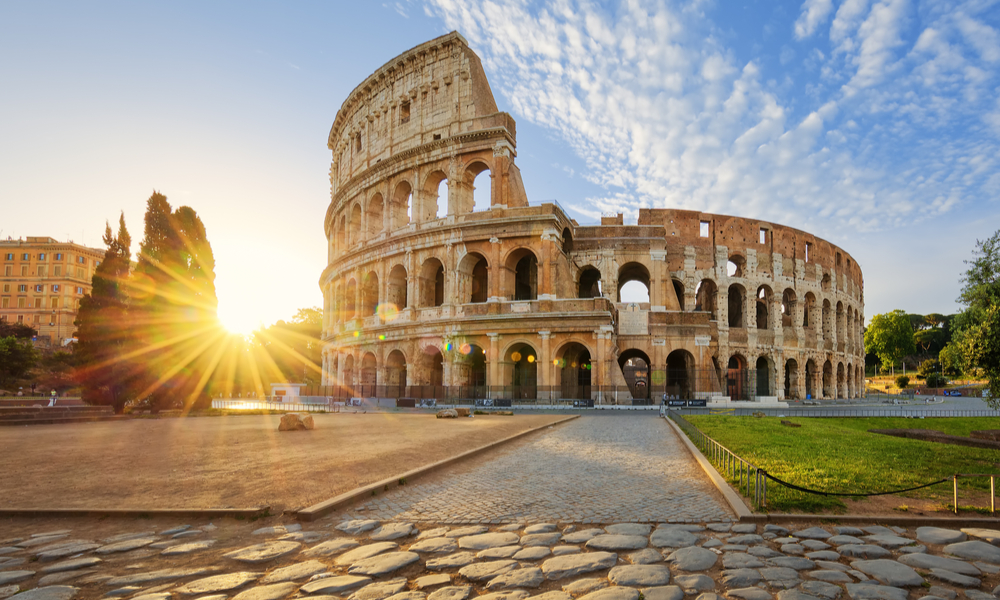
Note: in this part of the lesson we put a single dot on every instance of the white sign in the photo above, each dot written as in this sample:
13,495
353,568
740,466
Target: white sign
633,322
659,342
522,307
702,340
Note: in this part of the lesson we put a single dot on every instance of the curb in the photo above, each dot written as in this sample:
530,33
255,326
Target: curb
732,498
327,506
134,512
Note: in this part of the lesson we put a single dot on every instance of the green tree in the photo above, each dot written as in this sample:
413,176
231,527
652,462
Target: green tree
890,337
17,358
17,330
104,369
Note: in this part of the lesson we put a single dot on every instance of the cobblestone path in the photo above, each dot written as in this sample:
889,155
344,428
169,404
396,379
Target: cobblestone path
595,469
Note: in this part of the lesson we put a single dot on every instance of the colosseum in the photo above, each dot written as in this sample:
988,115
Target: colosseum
428,294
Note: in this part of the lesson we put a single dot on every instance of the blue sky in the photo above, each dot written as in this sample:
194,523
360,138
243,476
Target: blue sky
873,124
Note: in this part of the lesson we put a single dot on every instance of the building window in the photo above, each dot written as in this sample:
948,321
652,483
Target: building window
55,303
55,289
58,255
20,319
808,247
41,256
81,260
763,236
57,270
24,270
20,302
6,288
9,256
8,271
25,256
79,290
5,303
43,271
22,288
79,273
38,302
38,319
404,113
39,288
703,230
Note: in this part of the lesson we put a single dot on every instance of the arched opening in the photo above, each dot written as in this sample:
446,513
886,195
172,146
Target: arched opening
633,283
430,369
471,365
590,283
350,300
828,391
808,318
736,266
680,375
396,292
431,284
369,376
522,275
707,298
567,240
473,278
375,210
763,304
355,225
635,367
478,178
522,364
764,376
402,205
841,381
348,379
788,308
369,295
736,303
737,378
433,202
841,323
679,292
791,379
442,200
850,381
827,321
395,374
810,379
574,367
825,283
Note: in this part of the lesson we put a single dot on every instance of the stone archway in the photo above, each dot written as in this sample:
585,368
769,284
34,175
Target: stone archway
681,378
575,369
635,366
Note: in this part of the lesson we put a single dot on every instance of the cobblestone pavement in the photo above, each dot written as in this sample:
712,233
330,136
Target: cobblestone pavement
595,469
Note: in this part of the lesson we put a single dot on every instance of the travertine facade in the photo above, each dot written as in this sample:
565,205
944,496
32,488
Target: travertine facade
424,291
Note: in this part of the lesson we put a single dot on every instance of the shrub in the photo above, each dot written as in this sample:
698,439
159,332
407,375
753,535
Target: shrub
928,367
936,380
902,381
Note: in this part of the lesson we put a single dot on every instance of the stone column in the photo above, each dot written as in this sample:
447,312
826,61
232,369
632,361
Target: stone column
493,361
779,375
544,365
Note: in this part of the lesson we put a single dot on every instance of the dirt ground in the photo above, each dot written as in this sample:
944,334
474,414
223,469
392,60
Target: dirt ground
228,462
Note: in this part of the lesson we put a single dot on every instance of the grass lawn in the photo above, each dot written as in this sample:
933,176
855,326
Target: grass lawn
839,455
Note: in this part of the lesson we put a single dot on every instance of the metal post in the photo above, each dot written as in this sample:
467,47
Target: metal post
993,495
954,479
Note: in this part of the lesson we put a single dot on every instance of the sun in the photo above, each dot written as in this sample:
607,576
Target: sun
239,323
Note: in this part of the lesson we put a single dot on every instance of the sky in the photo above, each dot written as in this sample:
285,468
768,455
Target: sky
872,124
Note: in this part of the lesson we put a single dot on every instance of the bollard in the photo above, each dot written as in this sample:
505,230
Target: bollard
954,479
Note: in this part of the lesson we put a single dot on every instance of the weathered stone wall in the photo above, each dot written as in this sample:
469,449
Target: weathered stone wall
426,291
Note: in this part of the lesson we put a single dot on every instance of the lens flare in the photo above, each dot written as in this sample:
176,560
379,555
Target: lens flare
516,357
387,311
465,349
531,358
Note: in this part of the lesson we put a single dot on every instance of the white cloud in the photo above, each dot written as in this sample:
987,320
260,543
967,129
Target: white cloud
814,12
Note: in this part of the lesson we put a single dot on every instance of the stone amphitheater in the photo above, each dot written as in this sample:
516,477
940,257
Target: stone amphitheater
433,290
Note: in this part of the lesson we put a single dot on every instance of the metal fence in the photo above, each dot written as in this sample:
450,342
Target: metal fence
266,405
912,413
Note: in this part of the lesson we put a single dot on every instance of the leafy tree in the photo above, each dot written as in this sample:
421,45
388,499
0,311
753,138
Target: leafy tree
294,347
928,367
936,380
17,357
890,337
104,371
17,330
984,348
902,381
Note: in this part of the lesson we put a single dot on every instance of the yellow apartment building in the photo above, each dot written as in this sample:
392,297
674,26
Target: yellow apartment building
42,282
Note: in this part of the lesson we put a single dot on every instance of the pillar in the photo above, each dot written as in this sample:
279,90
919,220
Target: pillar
493,361
545,365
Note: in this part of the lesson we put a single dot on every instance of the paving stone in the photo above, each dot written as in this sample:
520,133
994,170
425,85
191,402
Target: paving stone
159,575
15,576
432,580
582,536
974,550
161,596
564,550
763,552
987,568
466,531
740,577
40,541
823,555
642,529
356,526
929,561
713,543
780,576
720,527
956,579
553,595
362,552
487,570
572,565
540,539
698,583
740,560
734,548
65,550
71,564
830,576
942,592
267,592
977,595
814,545
672,538
188,548
888,540
990,535
858,575
122,537
295,572
889,572
438,545
9,550
501,552
611,541
640,575
488,540
217,583
452,561
391,531
863,551
306,537
57,578
867,591
613,593
535,553
918,549
749,593
776,529
665,592
709,596
262,553
381,564
52,592
125,591
278,529
11,561
848,530
540,528
821,589
646,556
331,547
793,549
585,585
692,559
334,585
174,530
840,540
380,590
792,562
746,539
530,577
408,596
815,533
433,533
938,535
505,595
795,595
185,534
744,528
9,590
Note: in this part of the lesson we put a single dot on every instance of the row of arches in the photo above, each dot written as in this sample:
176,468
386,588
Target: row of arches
771,314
